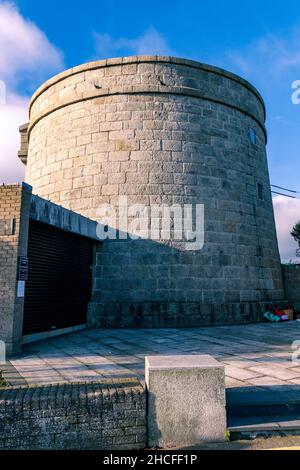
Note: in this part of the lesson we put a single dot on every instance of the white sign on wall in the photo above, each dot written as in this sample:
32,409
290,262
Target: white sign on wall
21,289
2,352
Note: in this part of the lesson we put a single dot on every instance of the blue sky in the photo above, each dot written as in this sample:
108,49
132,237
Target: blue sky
259,40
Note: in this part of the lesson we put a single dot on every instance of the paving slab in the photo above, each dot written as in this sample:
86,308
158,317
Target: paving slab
254,355
241,373
265,381
277,372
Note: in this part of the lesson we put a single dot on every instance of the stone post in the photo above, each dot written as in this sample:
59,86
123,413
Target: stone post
186,400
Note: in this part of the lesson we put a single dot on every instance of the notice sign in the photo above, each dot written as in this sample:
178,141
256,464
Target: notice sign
7,227
23,268
21,289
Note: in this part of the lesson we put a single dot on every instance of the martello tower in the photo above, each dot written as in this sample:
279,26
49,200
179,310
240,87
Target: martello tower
162,130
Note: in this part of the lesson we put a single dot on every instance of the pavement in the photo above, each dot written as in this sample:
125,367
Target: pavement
258,355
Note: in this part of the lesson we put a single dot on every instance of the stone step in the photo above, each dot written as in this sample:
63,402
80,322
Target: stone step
247,411
263,401
252,427
263,411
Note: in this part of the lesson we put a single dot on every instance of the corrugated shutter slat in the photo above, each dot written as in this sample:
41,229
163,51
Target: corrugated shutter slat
59,283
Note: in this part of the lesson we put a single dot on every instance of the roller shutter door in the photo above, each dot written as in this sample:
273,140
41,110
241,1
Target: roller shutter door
59,283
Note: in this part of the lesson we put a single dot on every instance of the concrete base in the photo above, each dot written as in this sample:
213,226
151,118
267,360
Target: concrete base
186,400
51,334
13,347
176,314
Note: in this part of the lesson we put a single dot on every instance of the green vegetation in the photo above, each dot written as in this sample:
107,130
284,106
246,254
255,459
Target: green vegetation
3,382
296,236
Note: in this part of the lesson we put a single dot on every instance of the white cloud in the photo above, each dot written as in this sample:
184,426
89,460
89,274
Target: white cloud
24,48
270,56
26,58
287,214
14,113
151,42
272,63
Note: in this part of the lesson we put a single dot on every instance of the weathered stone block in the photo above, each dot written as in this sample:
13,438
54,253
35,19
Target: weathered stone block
186,400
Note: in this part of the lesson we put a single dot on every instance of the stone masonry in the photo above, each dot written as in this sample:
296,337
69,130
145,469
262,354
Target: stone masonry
22,154
107,415
162,130
291,278
14,219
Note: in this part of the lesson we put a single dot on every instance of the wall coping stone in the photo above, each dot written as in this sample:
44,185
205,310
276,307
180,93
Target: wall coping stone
165,363
162,89
49,213
143,59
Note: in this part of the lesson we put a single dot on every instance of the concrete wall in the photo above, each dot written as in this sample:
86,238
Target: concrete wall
291,278
14,219
77,416
162,130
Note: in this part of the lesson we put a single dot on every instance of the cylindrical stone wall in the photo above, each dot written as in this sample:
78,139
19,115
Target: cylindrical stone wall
162,130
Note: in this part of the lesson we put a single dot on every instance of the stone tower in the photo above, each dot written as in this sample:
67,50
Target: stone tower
162,131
